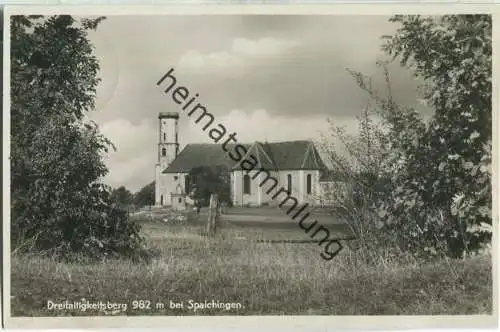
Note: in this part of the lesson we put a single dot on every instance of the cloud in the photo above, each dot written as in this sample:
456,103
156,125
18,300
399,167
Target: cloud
259,125
263,47
195,60
132,164
240,53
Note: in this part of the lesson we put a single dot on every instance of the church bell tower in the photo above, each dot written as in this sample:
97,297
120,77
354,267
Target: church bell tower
168,148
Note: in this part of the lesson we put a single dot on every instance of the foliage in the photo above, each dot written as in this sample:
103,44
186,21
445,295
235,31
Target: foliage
438,199
57,200
358,159
145,196
452,156
122,197
207,180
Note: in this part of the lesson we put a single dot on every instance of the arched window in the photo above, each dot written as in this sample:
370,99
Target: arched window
164,136
163,152
187,184
246,184
161,200
289,180
308,184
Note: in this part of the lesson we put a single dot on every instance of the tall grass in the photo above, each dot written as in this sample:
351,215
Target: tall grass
265,278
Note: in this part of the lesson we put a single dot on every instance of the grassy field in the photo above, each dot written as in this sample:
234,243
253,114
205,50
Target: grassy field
253,278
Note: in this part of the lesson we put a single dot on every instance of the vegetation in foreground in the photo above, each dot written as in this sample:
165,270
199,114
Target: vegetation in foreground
267,279
58,201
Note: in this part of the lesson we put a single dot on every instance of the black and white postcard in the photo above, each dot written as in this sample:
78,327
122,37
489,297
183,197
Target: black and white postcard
320,166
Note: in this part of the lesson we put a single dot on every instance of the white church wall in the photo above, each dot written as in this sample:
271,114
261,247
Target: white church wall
312,196
258,193
259,196
169,183
267,186
237,188
295,189
240,198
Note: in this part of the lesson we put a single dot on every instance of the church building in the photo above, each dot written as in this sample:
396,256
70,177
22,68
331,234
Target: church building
295,166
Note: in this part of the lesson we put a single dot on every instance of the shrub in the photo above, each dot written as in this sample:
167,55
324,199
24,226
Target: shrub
451,157
428,182
207,180
57,201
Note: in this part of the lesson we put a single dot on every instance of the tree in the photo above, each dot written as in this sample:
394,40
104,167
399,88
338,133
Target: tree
207,180
358,160
145,196
443,191
58,201
432,183
122,197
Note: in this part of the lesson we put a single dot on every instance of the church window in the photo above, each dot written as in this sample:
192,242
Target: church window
164,136
187,184
161,200
176,178
246,184
289,180
308,184
163,152
180,200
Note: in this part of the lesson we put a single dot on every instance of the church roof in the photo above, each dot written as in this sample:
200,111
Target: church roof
291,155
263,156
294,155
195,155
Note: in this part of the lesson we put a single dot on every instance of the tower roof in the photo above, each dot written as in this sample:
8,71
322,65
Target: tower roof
168,115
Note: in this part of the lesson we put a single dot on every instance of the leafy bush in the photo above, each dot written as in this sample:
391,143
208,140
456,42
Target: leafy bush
145,196
452,156
359,180
57,201
207,180
432,183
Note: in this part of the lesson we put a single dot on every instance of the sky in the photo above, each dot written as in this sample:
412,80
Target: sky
267,78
